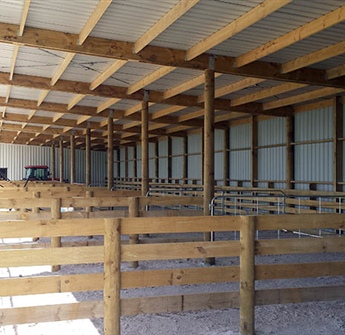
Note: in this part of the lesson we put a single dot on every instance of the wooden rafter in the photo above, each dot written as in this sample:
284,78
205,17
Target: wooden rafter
24,17
335,72
62,67
117,65
254,15
8,93
149,79
167,20
268,92
293,36
55,40
14,60
42,96
316,94
100,9
75,101
199,80
314,57
106,104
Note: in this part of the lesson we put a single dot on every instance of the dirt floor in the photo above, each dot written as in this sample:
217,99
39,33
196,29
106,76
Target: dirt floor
318,318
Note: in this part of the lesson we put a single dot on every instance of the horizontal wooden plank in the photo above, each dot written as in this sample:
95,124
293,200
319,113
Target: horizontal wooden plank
181,224
51,256
51,284
185,276
170,200
141,252
170,212
291,222
300,294
49,313
299,270
179,303
51,228
300,246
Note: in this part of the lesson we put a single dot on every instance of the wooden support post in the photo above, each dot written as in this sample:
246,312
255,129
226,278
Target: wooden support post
56,215
247,276
110,172
126,163
53,169
36,210
208,162
254,151
88,158
61,161
135,168
118,162
72,158
338,144
133,212
112,277
145,147
290,152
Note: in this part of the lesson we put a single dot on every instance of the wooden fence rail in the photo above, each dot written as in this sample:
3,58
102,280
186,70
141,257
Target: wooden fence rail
114,251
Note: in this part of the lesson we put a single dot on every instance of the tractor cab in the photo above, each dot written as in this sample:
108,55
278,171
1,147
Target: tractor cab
37,172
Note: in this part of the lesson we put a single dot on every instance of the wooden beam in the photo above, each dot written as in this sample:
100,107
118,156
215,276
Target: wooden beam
106,104
320,93
314,57
163,23
335,72
8,93
61,68
14,59
42,96
93,20
234,27
24,17
265,93
59,41
75,101
237,86
149,79
117,65
293,36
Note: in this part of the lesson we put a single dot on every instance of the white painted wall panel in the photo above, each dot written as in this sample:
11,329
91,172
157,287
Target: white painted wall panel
272,131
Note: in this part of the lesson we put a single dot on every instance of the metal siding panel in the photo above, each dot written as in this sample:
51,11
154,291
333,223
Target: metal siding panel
240,136
177,163
272,163
194,143
98,168
218,165
194,162
314,125
240,165
177,146
163,168
314,162
272,131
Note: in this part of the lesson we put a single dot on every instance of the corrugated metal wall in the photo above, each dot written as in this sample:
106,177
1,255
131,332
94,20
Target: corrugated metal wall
313,147
177,159
272,160
314,161
240,154
194,156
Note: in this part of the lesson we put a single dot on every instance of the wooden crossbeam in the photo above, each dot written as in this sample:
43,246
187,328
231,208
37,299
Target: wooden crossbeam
294,36
166,21
42,96
62,67
319,93
14,59
314,57
246,20
100,9
75,101
106,104
24,17
8,93
335,72
117,65
149,79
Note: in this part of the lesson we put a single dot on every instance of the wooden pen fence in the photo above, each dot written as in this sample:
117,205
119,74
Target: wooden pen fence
110,279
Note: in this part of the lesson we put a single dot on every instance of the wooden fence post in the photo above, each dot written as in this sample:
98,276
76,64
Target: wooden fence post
133,212
112,276
247,276
56,215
